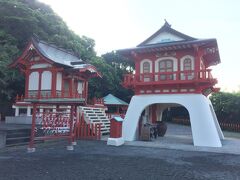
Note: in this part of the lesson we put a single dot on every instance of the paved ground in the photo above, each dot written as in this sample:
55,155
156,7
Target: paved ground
96,160
180,137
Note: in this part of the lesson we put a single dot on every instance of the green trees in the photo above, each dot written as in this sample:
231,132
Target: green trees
20,19
227,106
112,67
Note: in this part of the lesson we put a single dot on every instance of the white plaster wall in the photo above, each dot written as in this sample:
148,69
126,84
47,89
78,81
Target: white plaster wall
80,87
141,65
59,81
205,129
46,80
164,37
33,81
44,65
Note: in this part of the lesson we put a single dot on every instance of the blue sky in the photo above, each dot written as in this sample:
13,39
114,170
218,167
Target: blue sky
117,24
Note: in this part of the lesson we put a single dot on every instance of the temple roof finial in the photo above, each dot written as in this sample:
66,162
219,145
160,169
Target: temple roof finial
166,23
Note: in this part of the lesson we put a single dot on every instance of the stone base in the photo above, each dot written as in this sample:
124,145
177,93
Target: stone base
31,150
115,141
70,148
204,124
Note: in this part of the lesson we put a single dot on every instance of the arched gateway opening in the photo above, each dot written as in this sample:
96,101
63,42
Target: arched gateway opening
156,120
205,128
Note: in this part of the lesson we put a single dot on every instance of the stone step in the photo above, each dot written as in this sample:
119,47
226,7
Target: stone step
96,115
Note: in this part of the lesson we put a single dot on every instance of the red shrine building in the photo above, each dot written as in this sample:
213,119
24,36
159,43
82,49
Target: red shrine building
56,90
173,69
52,74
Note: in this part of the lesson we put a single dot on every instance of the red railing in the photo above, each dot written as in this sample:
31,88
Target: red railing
228,126
168,77
52,125
61,123
87,131
47,95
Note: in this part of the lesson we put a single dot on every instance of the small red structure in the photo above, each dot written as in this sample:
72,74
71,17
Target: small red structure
116,127
115,106
115,138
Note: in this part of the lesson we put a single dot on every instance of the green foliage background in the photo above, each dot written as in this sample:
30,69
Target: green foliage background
20,20
227,106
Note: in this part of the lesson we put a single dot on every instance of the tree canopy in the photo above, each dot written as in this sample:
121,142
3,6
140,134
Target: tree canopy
112,66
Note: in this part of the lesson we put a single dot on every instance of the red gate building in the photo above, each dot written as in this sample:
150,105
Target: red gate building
171,69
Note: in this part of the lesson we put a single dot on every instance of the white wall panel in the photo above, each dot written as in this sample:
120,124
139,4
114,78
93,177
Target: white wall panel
33,81
46,80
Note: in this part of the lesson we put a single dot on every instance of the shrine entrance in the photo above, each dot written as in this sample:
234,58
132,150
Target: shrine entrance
155,119
204,125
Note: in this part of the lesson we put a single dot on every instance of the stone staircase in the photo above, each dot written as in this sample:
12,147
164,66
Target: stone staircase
96,115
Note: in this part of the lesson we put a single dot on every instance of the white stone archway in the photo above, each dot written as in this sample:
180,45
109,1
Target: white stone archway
205,128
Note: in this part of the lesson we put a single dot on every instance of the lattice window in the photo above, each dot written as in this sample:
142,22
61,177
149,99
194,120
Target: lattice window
187,64
166,66
146,67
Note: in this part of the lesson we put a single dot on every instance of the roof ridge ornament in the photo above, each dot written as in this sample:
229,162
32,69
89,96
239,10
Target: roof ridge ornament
166,23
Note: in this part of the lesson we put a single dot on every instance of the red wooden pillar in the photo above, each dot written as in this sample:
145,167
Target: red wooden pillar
71,86
71,125
178,77
153,72
197,62
54,83
31,143
154,113
27,82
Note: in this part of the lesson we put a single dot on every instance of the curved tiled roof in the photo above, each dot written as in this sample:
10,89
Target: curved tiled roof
112,100
55,54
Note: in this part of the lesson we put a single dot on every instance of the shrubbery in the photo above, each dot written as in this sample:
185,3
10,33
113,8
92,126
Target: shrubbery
227,106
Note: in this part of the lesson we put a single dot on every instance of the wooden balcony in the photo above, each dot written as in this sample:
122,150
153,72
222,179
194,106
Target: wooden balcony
169,78
47,96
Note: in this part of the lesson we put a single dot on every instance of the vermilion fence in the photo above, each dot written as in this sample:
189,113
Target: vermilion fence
230,126
224,126
87,131
54,125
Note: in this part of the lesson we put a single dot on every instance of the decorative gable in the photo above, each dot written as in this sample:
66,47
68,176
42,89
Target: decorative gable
165,35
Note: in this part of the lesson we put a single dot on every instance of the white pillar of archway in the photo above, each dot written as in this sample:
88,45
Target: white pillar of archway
205,128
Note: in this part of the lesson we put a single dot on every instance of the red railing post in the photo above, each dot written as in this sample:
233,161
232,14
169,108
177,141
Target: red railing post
31,143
